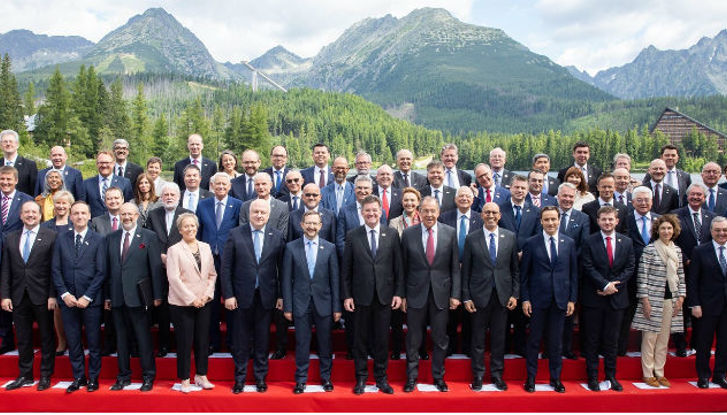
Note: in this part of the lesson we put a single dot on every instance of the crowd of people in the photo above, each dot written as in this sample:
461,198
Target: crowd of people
365,252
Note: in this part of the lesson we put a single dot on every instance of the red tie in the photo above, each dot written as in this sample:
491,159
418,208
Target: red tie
195,162
322,180
115,224
385,202
609,251
430,247
489,197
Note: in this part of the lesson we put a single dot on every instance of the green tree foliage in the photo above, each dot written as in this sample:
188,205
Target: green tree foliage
11,111
138,137
29,99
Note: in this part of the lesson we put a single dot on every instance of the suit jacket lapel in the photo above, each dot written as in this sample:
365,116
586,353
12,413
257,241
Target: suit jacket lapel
135,238
190,256
84,243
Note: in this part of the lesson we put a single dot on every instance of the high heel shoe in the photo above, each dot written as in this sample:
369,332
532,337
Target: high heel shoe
203,382
185,386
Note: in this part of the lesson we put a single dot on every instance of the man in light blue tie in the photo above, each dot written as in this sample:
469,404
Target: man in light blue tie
278,171
310,285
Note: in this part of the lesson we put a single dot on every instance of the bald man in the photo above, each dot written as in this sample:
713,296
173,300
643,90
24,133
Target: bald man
72,178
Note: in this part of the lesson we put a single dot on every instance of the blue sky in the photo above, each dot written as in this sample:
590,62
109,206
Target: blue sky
590,34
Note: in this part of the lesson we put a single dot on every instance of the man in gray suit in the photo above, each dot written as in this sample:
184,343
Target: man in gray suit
109,221
278,210
431,276
490,287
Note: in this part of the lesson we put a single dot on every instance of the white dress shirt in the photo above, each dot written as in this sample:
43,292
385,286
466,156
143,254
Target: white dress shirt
547,243
377,235
425,236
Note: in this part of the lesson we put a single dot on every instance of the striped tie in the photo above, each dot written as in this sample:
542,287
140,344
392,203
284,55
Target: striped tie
5,208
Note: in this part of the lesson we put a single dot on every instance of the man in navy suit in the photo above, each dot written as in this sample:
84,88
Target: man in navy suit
206,166
311,201
310,285
123,167
678,179
622,181
541,161
320,173
716,197
243,186
581,155
294,197
72,178
548,290
390,196
707,298
666,198
278,171
500,175
27,169
453,177
444,194
79,271
94,188
362,162
608,265
606,187
351,216
485,189
217,216
338,193
536,196
405,177
192,193
252,259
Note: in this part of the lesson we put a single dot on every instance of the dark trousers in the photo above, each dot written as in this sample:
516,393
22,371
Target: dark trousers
138,319
6,328
109,331
216,314
281,330
74,319
349,329
303,333
602,330
709,325
517,340
368,319
494,317
397,331
457,317
625,329
162,317
251,325
541,318
23,316
416,318
191,328
680,339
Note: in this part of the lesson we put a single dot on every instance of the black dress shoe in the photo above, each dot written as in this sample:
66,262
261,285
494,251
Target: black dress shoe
410,385
557,386
107,352
120,384
703,383
682,353
92,385
530,385
135,352
349,356
7,348
327,385
279,354
299,388
615,385
360,386
499,383
60,352
76,385
593,385
44,383
476,384
384,387
570,356
395,355
722,382
424,356
163,351
238,388
261,386
441,385
147,385
210,351
19,383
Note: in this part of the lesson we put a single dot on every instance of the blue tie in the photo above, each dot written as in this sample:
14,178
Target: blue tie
722,260
219,213
104,188
258,250
462,235
249,188
373,243
497,179
710,204
78,243
278,180
493,249
436,196
26,246
310,259
644,232
553,252
518,217
450,183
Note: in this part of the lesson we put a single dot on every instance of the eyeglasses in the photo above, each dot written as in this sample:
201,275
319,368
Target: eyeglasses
311,194
291,180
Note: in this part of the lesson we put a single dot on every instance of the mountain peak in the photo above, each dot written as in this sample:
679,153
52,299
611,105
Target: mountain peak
29,50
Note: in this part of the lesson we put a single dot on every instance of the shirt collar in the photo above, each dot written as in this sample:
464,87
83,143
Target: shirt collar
377,228
487,232
252,229
468,214
224,201
11,196
605,235
434,228
602,202
131,231
716,245
83,234
314,240
638,216
33,229
692,212
547,237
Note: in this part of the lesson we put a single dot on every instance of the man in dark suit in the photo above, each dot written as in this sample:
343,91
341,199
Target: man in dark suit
678,179
163,222
252,295
518,216
485,189
320,173
372,286
695,221
453,177
310,290
193,193
278,210
405,177
351,216
94,188
606,186
541,161
536,196
27,290
217,216
622,181
548,290
443,194
294,198
490,287
608,265
638,228
123,167
110,220
27,170
716,197
500,175
133,269
665,196
243,186
432,284
581,155
206,166
339,192
79,271
707,299
72,178
362,162
311,201
575,225
278,171
390,196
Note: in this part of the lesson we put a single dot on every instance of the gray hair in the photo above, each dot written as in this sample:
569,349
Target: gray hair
363,178
568,186
262,176
63,194
398,153
540,156
717,219
621,156
498,149
173,186
699,185
184,216
463,189
10,132
219,174
642,189
120,141
449,146
46,188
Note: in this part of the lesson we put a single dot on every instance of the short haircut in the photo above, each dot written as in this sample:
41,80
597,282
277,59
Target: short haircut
80,203
435,164
535,171
13,133
311,213
63,194
431,199
22,205
668,147
669,218
398,153
186,215
9,170
449,146
580,144
107,153
566,185
717,219
699,185
191,166
605,176
362,154
498,149
363,178
276,146
413,191
540,156
155,159
371,199
550,209
114,189
120,141
607,210
219,174
621,156
519,178
320,145
171,185
642,189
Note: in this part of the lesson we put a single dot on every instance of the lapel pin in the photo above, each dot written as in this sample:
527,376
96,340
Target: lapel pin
86,242
38,239
502,236
619,239
562,240
138,235
383,234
